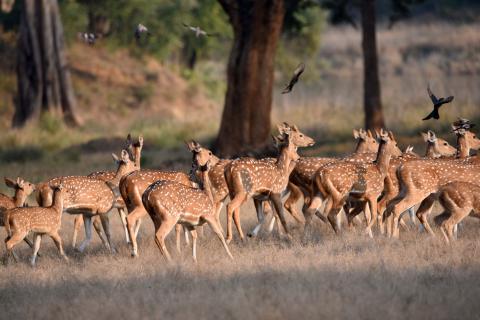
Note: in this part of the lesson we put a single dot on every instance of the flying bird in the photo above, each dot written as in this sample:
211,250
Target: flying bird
87,37
437,103
295,77
139,30
198,32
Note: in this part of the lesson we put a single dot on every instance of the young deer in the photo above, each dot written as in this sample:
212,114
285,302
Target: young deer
263,179
39,220
357,181
419,181
133,185
170,203
22,190
300,182
89,197
458,199
135,151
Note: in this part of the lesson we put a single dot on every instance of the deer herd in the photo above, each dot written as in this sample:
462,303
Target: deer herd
377,179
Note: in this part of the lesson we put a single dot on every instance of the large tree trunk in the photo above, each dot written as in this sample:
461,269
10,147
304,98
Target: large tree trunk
246,115
43,78
371,84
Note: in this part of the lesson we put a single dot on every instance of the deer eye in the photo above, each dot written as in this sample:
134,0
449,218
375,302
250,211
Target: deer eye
301,135
209,153
445,143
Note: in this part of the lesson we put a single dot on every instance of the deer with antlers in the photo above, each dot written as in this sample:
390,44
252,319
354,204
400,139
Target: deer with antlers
420,180
170,203
89,197
357,181
39,220
459,200
263,179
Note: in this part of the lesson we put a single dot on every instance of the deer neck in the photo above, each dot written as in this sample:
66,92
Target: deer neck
138,154
285,163
58,201
19,198
207,186
463,149
383,158
120,173
361,146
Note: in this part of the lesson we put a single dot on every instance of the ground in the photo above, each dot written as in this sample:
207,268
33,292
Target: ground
328,276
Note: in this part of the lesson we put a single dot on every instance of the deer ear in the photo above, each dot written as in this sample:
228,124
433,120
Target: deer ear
391,136
129,139
424,136
369,133
431,136
355,134
282,128
140,140
295,128
190,145
115,158
10,183
125,156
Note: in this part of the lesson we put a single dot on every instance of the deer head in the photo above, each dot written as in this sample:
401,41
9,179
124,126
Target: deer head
437,147
298,138
387,141
22,189
366,141
124,164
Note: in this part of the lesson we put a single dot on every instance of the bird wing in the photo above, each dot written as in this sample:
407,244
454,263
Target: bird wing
299,70
448,99
432,96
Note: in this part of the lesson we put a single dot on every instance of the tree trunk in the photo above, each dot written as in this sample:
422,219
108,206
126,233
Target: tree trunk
246,115
371,84
43,78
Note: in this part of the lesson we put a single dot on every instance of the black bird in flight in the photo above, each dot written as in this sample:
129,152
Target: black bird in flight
295,77
437,103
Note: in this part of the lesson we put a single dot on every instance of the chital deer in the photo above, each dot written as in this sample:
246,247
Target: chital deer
39,220
89,197
458,199
263,179
419,181
135,152
170,203
358,181
304,172
22,190
133,185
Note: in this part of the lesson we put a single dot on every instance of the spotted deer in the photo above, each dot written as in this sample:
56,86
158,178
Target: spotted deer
89,197
39,220
133,185
170,203
356,181
458,199
22,190
300,183
435,147
135,151
263,180
419,181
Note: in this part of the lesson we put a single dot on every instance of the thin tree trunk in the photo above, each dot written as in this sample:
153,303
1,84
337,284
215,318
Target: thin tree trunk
43,78
246,115
371,94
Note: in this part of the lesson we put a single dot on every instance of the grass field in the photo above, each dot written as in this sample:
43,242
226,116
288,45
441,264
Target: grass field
325,277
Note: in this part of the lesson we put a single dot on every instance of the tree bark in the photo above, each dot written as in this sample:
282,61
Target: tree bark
371,84
43,78
246,115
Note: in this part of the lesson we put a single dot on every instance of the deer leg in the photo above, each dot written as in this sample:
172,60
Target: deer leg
132,219
37,238
260,216
396,208
87,220
271,224
315,204
123,218
97,225
372,203
290,204
77,224
332,217
353,214
424,210
231,207
178,238
165,227
11,242
217,229
58,242
105,219
277,203
193,233
137,227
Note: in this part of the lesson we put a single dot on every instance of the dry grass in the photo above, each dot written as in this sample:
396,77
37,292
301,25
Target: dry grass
326,277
